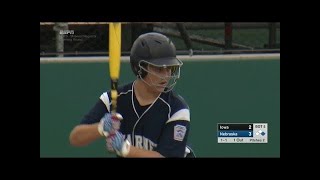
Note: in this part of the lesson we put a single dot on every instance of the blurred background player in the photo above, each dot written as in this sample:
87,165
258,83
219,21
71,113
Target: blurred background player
152,120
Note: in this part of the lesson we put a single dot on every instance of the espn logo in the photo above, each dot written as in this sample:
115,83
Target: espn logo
66,32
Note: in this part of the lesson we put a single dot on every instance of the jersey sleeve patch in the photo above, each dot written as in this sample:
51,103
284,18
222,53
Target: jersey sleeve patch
179,132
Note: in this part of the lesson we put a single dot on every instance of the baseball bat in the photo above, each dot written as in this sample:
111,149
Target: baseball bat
114,61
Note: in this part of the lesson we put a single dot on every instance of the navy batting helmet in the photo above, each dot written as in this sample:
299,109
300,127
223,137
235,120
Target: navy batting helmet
155,49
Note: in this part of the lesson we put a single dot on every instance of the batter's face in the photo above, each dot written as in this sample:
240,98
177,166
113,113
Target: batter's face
158,77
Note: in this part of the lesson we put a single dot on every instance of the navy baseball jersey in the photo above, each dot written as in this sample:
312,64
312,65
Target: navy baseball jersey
162,126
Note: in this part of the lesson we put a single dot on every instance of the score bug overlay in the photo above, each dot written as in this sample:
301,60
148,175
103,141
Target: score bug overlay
242,132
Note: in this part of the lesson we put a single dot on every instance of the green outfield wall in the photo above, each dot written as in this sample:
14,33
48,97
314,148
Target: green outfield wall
230,91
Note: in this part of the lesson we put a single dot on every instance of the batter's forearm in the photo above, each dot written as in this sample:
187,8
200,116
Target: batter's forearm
84,134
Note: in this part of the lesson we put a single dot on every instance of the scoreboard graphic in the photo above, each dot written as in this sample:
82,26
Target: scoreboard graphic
242,133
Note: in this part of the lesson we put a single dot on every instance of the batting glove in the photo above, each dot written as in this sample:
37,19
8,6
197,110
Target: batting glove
117,143
109,124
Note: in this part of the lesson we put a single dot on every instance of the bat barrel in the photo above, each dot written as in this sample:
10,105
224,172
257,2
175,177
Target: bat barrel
114,62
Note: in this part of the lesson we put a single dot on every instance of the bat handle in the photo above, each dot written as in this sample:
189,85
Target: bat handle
114,96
